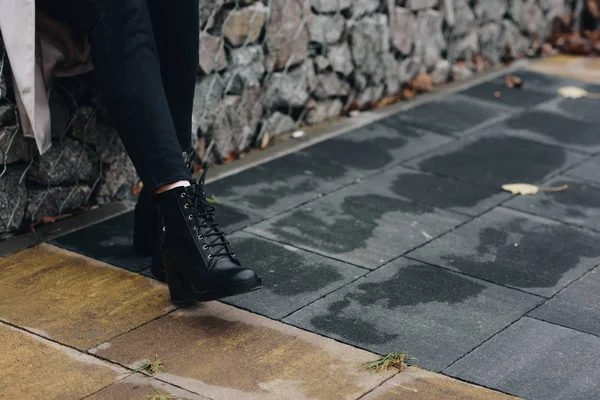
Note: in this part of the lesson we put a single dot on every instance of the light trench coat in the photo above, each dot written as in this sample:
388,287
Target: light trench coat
38,48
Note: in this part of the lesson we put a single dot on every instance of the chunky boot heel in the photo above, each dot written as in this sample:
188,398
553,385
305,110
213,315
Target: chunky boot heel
197,257
180,289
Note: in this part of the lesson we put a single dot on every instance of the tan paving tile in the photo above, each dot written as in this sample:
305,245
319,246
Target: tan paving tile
73,299
586,69
559,60
35,368
419,384
226,353
138,387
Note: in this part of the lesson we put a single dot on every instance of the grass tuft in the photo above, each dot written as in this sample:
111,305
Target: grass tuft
151,367
158,396
392,360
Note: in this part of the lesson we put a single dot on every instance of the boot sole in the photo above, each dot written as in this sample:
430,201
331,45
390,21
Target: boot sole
242,287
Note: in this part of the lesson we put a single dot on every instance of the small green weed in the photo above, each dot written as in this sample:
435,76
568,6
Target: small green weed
392,360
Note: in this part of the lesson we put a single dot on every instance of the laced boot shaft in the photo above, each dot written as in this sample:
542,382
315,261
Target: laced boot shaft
146,230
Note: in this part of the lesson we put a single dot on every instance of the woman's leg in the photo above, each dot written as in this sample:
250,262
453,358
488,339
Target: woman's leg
176,26
128,70
198,259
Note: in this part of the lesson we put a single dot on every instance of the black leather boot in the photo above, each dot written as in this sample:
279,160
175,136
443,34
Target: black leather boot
198,260
146,225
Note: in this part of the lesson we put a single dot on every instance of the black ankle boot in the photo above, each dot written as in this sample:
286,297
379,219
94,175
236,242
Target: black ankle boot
198,260
145,224
146,233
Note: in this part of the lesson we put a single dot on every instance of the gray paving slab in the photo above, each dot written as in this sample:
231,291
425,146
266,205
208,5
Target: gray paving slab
518,250
493,159
430,313
589,170
292,277
292,180
553,128
444,192
576,306
281,184
377,146
366,224
578,205
586,109
498,93
452,115
536,360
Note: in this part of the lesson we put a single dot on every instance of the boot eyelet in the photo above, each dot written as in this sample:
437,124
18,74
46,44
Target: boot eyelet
190,216
205,247
186,205
210,256
182,195
200,237
164,229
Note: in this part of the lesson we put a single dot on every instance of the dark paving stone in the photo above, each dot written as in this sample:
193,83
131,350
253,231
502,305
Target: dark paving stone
292,277
517,250
554,129
377,145
577,306
294,179
111,241
588,171
536,360
445,193
585,109
578,205
582,108
540,82
430,313
281,184
518,98
452,115
366,224
494,160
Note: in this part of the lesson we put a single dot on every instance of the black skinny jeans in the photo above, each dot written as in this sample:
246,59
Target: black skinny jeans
145,56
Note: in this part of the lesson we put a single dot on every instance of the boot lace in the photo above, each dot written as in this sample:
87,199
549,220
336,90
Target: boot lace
205,224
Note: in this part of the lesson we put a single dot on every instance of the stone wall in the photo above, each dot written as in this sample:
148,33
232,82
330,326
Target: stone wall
266,68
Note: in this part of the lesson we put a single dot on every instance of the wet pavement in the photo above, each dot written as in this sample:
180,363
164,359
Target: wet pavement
393,237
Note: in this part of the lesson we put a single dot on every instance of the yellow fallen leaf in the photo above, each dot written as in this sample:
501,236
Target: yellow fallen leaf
574,92
212,199
527,189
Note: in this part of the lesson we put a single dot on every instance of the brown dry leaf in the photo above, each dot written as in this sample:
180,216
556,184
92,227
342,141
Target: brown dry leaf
137,189
497,95
231,157
408,93
389,100
513,82
265,140
354,106
422,83
47,220
527,189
